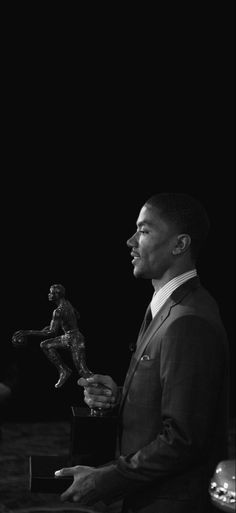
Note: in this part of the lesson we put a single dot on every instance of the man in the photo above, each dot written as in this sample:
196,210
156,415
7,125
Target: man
173,407
65,320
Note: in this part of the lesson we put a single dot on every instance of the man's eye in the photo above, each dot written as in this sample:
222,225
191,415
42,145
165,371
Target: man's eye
143,231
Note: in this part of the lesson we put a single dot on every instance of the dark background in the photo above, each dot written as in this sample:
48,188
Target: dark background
96,121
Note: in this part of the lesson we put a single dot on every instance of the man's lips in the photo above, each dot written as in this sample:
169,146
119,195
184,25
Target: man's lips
135,256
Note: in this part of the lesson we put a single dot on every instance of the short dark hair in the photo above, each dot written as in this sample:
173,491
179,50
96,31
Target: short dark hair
186,213
61,289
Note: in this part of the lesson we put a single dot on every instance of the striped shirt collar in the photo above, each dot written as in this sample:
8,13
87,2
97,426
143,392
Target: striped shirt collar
161,296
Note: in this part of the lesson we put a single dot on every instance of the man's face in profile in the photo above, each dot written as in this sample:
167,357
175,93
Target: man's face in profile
54,293
152,244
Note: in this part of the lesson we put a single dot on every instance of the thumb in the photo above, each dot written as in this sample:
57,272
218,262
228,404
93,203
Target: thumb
68,471
95,379
99,379
82,382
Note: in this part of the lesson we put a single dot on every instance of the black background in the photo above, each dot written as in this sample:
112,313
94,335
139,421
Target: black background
96,119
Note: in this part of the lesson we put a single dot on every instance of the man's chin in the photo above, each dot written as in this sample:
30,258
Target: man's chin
140,272
137,272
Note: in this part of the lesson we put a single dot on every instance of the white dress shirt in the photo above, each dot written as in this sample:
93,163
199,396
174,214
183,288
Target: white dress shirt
161,296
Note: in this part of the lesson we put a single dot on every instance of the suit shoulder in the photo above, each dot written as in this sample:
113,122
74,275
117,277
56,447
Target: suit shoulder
199,304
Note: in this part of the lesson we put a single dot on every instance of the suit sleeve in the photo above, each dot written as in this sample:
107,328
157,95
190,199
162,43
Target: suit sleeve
192,373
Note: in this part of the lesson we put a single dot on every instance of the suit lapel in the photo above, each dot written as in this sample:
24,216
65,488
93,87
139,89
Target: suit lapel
160,317
142,342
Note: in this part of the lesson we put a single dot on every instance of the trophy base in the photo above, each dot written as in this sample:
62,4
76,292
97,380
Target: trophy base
93,436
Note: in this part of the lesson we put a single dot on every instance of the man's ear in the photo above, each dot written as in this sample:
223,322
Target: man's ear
182,244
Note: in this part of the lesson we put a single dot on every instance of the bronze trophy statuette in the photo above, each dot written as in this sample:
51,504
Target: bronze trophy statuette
63,332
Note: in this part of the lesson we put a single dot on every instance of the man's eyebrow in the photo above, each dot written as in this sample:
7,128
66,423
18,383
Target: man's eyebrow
142,223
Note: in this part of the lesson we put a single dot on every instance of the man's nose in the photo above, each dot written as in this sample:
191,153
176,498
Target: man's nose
132,241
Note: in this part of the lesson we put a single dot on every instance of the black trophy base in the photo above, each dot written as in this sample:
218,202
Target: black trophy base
93,438
92,443
41,474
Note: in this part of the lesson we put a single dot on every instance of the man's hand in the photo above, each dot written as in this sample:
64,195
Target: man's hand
82,489
99,391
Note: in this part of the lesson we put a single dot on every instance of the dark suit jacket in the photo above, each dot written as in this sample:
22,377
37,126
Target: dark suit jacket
174,409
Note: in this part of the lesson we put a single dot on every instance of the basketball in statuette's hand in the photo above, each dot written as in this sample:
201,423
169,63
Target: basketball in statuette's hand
18,339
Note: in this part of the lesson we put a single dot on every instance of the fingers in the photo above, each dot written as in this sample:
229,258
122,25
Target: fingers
95,403
96,379
69,494
77,489
82,382
98,382
103,396
69,471
99,397
72,495
99,391
95,391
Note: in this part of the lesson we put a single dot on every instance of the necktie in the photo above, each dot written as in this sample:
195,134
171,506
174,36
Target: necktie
147,318
146,321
